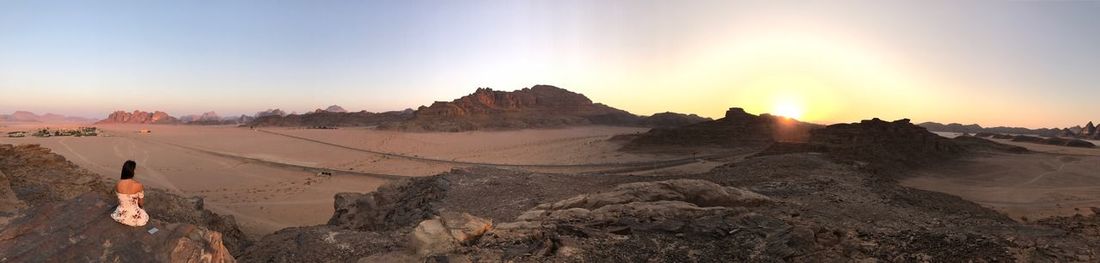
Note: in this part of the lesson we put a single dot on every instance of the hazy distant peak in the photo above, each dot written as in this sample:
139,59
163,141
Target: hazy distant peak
335,108
27,116
270,112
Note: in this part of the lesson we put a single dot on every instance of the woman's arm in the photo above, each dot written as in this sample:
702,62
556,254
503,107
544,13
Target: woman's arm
141,200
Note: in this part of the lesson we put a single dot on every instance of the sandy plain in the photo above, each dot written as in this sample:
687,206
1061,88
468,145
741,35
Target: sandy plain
268,178
1052,181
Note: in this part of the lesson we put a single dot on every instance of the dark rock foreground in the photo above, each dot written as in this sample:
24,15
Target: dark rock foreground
80,230
53,211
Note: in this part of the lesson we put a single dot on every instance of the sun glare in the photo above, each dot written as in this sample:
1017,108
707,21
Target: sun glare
788,109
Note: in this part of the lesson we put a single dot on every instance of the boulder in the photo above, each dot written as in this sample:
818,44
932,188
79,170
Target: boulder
80,230
444,233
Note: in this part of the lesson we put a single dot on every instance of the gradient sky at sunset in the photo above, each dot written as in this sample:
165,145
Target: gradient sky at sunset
1022,63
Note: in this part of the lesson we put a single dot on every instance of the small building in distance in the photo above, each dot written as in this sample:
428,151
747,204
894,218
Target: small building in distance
17,134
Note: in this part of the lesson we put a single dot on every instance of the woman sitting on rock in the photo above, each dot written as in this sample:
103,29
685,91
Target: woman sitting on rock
131,198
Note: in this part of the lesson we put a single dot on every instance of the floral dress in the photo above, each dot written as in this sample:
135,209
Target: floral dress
128,212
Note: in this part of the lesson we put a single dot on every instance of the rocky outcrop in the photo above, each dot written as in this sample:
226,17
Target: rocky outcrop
392,206
34,181
381,224
81,230
885,144
168,207
139,117
779,208
736,129
541,106
35,176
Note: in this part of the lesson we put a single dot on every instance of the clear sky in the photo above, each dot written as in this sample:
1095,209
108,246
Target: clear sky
1024,63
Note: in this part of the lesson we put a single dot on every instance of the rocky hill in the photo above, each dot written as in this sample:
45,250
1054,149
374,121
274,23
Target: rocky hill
885,143
322,118
671,119
53,211
738,128
139,117
541,106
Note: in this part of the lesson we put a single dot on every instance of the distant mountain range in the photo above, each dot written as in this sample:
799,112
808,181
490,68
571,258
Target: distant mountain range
541,106
974,128
323,118
26,116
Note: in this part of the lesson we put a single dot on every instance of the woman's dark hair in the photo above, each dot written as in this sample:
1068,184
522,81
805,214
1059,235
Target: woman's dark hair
128,169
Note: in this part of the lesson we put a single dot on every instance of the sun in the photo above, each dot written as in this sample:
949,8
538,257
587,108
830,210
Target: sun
787,109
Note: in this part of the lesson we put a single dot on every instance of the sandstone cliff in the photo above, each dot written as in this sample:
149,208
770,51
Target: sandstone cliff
139,117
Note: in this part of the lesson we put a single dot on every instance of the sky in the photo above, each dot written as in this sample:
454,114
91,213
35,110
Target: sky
1014,63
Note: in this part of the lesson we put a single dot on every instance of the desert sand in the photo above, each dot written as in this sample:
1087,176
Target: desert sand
1053,181
268,178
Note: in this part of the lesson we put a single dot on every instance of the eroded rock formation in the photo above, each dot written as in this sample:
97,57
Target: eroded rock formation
139,117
